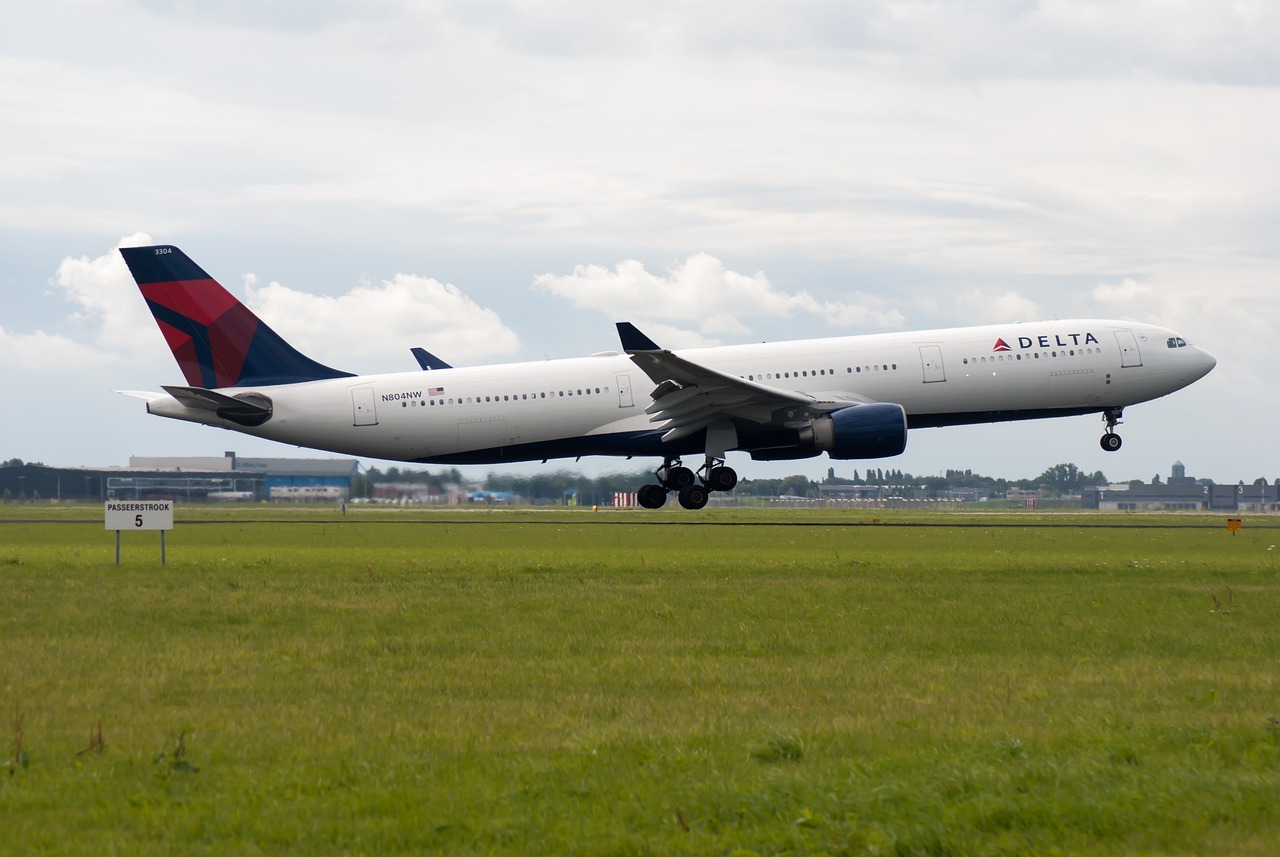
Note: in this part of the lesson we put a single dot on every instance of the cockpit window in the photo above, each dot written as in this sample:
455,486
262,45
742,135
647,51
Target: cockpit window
1177,342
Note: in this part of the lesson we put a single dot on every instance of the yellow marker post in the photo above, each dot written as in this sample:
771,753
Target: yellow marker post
1234,525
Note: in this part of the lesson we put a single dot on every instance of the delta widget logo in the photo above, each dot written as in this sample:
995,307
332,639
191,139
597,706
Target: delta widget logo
1059,340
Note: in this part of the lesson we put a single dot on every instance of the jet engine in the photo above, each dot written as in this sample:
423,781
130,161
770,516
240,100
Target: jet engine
874,430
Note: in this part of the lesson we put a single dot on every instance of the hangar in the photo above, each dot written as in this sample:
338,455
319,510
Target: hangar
192,479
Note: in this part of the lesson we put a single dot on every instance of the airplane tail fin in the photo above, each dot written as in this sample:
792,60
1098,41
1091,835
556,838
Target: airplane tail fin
217,340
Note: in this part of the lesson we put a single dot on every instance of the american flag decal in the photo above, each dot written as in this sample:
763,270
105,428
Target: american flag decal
435,391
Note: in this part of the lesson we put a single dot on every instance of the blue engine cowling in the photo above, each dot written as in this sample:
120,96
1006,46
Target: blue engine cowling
875,430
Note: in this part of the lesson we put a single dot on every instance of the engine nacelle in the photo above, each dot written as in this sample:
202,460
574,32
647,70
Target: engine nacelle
875,430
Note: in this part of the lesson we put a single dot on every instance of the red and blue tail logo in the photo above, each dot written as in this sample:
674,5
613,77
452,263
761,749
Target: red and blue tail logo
217,341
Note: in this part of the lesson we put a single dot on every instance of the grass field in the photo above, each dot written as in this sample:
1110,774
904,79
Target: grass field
628,683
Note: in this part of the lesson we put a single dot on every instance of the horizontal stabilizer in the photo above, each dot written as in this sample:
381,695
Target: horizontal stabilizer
145,395
247,409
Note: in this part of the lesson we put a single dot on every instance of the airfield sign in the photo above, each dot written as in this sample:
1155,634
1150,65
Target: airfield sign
138,515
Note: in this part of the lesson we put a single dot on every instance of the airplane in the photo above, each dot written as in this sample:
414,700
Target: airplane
851,397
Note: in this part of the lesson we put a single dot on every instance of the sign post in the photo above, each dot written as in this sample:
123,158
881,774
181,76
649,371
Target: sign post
139,515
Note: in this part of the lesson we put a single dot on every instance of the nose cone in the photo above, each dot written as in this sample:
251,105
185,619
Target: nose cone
1204,363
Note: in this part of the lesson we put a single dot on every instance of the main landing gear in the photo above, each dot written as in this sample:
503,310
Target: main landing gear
692,489
1111,441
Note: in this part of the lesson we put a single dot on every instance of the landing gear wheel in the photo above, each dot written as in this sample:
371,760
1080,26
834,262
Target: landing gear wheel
651,496
694,496
1110,440
680,477
722,479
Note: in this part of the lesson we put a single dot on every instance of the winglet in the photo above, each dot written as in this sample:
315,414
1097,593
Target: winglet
633,340
427,360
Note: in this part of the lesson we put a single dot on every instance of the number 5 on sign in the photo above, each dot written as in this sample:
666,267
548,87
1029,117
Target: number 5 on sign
138,515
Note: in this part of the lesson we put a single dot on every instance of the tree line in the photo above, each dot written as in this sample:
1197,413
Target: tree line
565,486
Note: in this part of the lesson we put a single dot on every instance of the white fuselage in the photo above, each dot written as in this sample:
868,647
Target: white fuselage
596,405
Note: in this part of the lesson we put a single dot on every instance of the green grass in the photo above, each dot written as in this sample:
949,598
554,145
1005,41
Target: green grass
627,683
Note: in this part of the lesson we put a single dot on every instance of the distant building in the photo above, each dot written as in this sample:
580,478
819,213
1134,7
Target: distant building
848,491
414,493
188,479
1183,493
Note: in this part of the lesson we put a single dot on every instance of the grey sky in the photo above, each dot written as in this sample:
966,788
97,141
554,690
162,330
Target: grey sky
497,180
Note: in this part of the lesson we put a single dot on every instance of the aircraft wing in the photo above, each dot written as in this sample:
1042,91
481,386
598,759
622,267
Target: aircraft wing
689,397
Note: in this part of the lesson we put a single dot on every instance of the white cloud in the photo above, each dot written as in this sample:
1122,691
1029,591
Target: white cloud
284,15
978,306
105,296
378,324
41,352
1168,303
1125,295
702,293
107,315
371,324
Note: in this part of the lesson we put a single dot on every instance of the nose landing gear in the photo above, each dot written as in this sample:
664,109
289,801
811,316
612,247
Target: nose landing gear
1111,441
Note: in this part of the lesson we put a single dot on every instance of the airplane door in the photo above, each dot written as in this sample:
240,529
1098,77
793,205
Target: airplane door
363,410
624,391
1129,353
931,360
